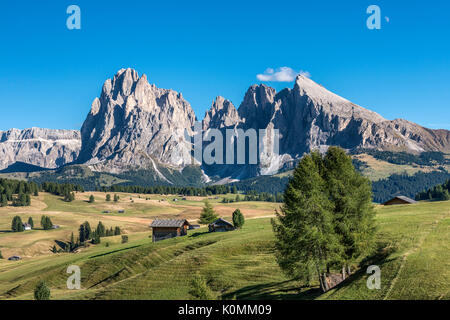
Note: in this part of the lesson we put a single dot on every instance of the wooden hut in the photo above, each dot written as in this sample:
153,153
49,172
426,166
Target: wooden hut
168,228
220,225
399,200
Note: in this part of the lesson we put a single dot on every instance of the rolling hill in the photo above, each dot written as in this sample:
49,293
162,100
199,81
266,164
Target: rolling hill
413,256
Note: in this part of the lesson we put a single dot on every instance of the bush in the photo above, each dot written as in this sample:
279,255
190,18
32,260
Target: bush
124,239
42,292
200,289
238,219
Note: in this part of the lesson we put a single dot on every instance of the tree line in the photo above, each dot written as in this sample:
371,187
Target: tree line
402,158
406,185
17,193
440,192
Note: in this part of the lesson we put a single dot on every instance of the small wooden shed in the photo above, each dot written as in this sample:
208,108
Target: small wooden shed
220,225
168,228
399,200
26,226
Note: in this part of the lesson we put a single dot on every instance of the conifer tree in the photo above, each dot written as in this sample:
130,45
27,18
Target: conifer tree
353,214
100,231
72,242
87,231
3,200
31,222
305,239
82,233
17,225
238,219
208,214
46,223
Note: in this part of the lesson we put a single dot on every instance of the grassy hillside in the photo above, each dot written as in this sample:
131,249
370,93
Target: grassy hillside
414,258
140,210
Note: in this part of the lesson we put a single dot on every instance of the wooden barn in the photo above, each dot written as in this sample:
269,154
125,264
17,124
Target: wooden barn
168,228
220,225
399,200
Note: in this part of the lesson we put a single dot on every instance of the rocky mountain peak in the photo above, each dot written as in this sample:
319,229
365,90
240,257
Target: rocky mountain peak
133,117
323,100
257,106
221,114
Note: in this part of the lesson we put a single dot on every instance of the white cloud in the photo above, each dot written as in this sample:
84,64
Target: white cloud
283,74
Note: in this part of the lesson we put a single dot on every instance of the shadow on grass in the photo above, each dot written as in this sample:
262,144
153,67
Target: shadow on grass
284,290
292,290
111,252
63,245
379,258
198,234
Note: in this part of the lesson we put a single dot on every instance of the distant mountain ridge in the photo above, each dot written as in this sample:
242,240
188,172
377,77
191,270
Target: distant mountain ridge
135,125
45,148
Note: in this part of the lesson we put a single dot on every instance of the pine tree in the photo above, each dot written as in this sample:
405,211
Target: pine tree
46,223
108,197
31,222
353,214
208,214
445,195
1,256
82,233
305,239
87,231
100,231
3,200
238,219
117,231
72,242
116,198
96,238
91,199
42,292
17,225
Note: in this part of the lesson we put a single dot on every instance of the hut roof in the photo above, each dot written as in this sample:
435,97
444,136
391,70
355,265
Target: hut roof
222,222
169,223
406,199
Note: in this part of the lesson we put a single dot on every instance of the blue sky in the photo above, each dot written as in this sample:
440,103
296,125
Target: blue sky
49,75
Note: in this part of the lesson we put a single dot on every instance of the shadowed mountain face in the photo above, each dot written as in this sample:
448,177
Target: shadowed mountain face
135,125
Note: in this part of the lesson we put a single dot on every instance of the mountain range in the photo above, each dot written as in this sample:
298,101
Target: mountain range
133,125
